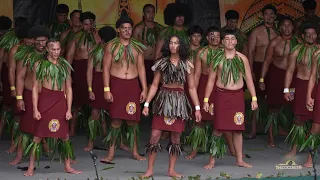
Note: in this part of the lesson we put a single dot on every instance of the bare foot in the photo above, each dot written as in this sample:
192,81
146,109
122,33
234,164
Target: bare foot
12,149
174,174
146,175
233,154
210,165
29,172
192,155
271,145
308,165
89,146
72,171
124,147
73,161
243,164
107,159
16,161
291,154
138,157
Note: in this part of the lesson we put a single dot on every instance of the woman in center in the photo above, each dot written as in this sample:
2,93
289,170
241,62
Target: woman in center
171,107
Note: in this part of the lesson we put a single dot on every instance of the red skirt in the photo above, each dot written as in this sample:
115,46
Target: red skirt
316,109
275,86
7,99
97,89
167,124
257,68
229,110
206,116
126,99
52,106
79,82
299,103
27,122
149,73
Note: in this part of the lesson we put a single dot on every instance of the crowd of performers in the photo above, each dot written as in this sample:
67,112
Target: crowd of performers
49,74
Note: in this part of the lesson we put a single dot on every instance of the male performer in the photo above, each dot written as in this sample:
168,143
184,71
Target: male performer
257,45
230,67
275,65
122,65
95,86
147,32
52,105
68,34
62,23
77,54
199,134
195,34
173,71
232,18
24,76
300,60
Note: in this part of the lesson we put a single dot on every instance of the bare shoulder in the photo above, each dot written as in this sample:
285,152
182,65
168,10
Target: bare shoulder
275,41
256,30
242,56
138,27
64,33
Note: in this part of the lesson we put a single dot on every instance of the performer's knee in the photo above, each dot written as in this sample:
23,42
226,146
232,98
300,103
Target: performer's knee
155,136
175,137
315,128
37,139
95,114
116,123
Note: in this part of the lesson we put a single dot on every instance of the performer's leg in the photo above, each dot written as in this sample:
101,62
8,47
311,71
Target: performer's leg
229,138
104,126
215,137
36,141
270,131
93,123
152,148
74,121
17,159
196,133
2,125
68,150
175,150
238,145
133,130
253,132
114,134
315,129
297,125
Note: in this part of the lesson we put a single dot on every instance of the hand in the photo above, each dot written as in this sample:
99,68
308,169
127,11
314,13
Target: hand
198,116
36,115
68,115
145,111
310,103
143,96
108,96
254,105
20,105
287,96
262,86
92,97
13,93
206,107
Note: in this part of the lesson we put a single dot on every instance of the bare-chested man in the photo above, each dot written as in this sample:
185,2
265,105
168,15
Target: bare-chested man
61,23
147,32
258,42
77,54
198,135
230,67
300,60
123,67
68,34
275,65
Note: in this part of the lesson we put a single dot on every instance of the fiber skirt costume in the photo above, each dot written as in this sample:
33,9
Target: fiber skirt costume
27,122
97,89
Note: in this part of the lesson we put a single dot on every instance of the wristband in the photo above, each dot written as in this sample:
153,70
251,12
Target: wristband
146,104
13,88
106,89
19,97
90,89
254,98
261,80
206,100
197,108
286,90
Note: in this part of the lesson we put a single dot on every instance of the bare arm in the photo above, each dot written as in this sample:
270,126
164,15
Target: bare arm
136,32
192,89
252,47
290,69
63,35
158,48
142,71
35,89
89,72
69,93
70,50
210,83
107,60
313,74
21,74
197,69
154,86
12,66
268,58
249,80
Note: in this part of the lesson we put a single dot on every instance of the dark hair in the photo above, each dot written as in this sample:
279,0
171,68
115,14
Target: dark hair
213,29
18,21
183,48
107,33
195,29
87,15
5,23
285,18
174,10
75,11
307,25
148,5
231,14
228,32
52,40
62,8
24,32
269,6
123,19
39,31
309,4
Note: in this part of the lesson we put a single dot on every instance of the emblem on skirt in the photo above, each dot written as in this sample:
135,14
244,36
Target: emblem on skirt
54,125
169,121
131,108
238,118
211,109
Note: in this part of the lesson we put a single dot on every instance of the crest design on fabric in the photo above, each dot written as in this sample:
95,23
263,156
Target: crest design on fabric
238,118
211,109
131,108
54,125
169,121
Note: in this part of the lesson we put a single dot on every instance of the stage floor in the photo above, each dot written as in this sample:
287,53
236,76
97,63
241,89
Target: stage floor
263,159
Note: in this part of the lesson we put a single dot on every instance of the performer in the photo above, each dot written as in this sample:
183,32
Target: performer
199,134
300,60
68,34
258,42
232,18
95,86
77,53
275,65
173,70
5,24
62,23
122,66
195,34
25,63
147,32
52,106
229,69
